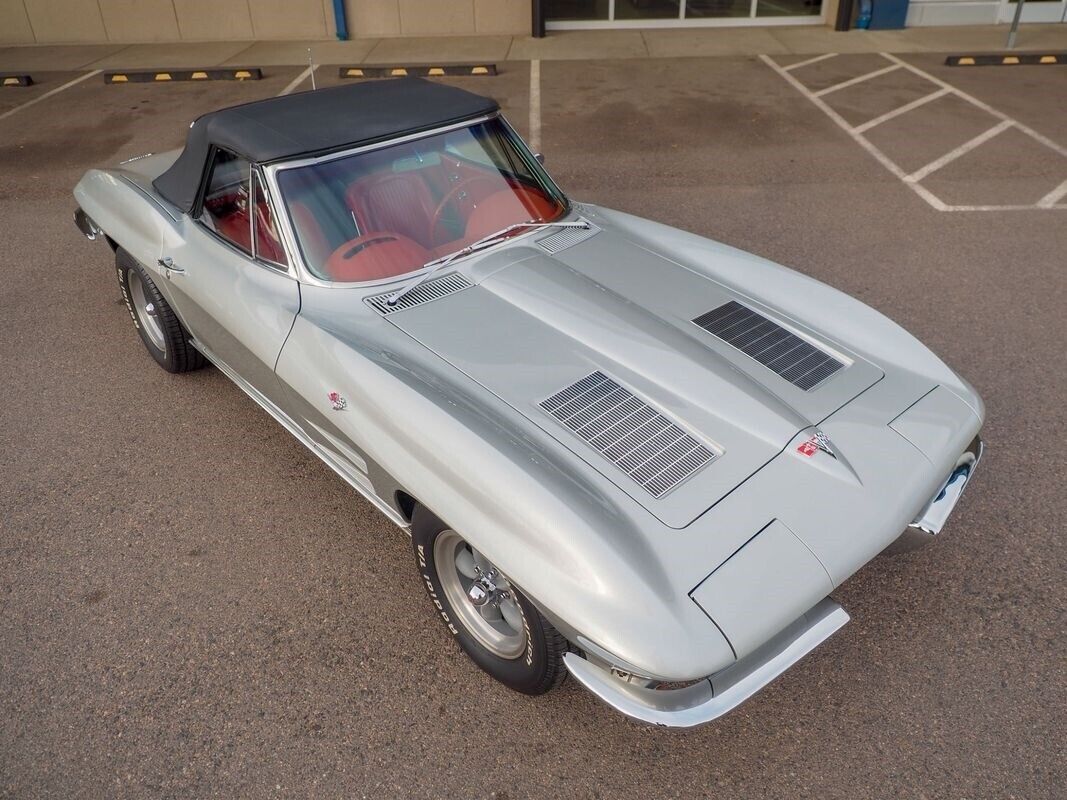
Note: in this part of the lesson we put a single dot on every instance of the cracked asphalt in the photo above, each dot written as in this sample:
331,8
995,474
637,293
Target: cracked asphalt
191,605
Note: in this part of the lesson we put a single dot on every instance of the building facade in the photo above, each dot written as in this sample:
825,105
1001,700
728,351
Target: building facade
94,21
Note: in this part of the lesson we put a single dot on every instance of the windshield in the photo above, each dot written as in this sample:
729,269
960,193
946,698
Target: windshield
386,212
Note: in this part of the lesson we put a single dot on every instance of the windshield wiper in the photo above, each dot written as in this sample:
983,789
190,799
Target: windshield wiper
437,264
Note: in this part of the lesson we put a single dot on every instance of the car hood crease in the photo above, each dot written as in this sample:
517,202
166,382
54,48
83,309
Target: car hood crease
539,323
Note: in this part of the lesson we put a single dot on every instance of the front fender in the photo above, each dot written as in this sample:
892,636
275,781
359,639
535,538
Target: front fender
579,547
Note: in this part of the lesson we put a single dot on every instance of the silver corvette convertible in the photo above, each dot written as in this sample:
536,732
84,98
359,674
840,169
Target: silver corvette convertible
622,452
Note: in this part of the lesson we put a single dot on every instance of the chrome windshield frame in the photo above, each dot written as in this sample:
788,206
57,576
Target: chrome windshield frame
288,232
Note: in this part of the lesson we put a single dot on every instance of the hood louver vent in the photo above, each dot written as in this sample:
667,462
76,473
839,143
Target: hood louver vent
629,433
431,290
555,242
784,353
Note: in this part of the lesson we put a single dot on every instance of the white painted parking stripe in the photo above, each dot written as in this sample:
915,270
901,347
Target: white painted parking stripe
1057,194
46,95
807,61
912,181
854,81
299,79
881,157
535,105
1001,208
984,106
904,109
963,149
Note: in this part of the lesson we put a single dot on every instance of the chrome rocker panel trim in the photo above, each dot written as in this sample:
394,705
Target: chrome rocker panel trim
286,422
709,699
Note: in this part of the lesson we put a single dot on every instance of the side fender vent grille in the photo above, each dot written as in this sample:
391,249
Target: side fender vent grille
555,242
636,438
431,290
782,352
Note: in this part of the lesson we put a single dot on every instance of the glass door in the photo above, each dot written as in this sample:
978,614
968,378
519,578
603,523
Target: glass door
564,14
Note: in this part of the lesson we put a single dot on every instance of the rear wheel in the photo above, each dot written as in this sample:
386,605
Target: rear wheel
156,323
494,623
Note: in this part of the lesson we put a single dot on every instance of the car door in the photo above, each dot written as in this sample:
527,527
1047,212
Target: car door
229,275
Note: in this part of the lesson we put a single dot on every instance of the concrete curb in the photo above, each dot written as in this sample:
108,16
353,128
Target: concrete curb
1005,59
165,75
415,70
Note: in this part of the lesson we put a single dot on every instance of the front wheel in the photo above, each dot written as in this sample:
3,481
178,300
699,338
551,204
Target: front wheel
156,323
501,631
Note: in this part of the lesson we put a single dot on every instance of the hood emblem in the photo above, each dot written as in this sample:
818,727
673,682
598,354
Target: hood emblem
818,441
337,402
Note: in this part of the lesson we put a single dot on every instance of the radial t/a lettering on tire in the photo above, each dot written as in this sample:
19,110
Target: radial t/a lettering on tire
163,335
494,623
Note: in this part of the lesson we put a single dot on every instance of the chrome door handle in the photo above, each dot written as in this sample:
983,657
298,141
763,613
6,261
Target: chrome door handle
169,267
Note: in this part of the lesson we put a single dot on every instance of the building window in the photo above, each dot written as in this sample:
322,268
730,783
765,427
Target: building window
661,13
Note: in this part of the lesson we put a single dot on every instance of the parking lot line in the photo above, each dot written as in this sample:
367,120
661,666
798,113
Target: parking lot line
807,61
1057,194
299,79
859,79
966,147
912,180
861,140
904,109
976,102
48,94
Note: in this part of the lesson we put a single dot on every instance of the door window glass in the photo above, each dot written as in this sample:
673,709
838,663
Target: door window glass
226,201
268,243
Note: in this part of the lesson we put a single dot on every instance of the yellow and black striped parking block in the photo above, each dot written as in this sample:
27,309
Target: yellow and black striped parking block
1006,59
15,80
416,71
165,75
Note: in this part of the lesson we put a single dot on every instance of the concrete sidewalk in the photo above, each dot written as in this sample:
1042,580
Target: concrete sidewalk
559,45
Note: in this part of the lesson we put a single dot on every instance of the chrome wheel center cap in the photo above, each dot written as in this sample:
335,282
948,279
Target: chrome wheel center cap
483,590
150,309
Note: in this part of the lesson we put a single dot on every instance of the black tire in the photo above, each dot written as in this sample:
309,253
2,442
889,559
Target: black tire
172,351
540,666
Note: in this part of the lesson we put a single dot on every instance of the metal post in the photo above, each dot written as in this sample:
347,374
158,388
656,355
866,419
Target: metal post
1015,23
538,19
844,15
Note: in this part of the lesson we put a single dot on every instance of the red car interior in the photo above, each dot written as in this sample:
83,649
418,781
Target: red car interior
402,220
386,216
231,218
393,201
376,256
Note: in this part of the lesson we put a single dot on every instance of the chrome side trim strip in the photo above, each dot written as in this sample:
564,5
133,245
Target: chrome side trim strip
725,690
290,425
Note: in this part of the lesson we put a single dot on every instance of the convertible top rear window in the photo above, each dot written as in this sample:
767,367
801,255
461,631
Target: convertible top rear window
386,212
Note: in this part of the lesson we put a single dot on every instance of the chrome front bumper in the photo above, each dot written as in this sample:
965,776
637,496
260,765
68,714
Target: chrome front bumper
932,519
712,697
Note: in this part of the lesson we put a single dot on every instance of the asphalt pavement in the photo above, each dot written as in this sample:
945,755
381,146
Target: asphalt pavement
192,605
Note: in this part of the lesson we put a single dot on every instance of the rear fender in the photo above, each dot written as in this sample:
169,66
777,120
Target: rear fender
127,213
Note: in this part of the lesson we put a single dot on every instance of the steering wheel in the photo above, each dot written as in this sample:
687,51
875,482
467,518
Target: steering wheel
453,197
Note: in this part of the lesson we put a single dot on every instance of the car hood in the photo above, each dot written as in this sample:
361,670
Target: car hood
536,322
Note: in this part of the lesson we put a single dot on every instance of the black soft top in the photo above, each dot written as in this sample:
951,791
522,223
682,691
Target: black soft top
314,123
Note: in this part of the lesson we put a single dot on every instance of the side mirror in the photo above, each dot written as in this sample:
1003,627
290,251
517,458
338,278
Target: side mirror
540,158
